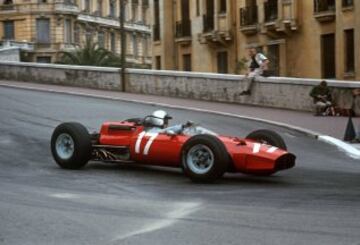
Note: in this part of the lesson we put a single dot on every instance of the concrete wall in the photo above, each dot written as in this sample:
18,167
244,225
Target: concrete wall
279,92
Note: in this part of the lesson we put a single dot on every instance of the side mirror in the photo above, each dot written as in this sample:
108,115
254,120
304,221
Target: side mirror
170,133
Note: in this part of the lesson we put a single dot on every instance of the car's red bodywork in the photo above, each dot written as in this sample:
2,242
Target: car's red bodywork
247,156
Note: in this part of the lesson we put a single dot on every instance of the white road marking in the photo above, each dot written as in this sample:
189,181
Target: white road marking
272,149
63,195
138,141
349,149
256,148
181,211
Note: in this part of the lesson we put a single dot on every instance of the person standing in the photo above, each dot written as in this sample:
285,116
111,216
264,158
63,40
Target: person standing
257,65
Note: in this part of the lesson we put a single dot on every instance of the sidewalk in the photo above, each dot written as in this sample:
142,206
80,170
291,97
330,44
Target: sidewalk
332,126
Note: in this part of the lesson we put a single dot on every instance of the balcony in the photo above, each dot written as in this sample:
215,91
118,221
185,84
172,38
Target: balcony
249,19
156,32
208,22
324,10
183,31
26,46
67,7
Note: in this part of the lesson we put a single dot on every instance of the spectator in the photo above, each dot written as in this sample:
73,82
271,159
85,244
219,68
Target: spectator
321,95
258,64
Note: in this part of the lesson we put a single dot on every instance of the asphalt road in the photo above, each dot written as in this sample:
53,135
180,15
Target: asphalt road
317,202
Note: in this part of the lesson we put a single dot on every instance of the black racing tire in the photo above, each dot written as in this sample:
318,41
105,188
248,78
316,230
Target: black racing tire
79,154
268,137
220,158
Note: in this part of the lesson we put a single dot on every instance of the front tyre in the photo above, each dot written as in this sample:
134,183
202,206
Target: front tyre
268,137
204,158
71,145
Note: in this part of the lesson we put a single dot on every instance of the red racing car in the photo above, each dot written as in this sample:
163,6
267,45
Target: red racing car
203,155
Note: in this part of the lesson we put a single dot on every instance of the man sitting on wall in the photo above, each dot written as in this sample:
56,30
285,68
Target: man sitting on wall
258,65
321,95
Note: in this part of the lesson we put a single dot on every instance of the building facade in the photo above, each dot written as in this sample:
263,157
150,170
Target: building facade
42,28
312,38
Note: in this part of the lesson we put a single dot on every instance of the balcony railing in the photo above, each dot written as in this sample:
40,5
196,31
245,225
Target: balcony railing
183,28
324,6
208,21
249,16
156,32
61,6
28,46
271,11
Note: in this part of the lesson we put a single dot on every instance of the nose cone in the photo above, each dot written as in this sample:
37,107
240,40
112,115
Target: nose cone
286,161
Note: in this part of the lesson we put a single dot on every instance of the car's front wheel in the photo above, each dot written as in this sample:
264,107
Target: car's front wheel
71,145
204,158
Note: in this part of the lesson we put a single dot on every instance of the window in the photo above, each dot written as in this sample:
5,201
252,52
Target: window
145,46
43,59
67,31
347,3
197,7
328,55
9,32
43,30
158,62
187,62
135,46
112,42
273,55
222,62
135,12
101,39
77,34
87,6
222,7
349,51
156,30
112,8
100,7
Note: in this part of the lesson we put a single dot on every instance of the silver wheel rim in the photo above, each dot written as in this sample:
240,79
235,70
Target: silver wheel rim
200,159
64,146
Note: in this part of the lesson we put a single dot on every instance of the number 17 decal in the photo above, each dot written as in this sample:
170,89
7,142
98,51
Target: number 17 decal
148,144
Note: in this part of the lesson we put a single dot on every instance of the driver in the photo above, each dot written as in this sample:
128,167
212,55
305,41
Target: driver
158,120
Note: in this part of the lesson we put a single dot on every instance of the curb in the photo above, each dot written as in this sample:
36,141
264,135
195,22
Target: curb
347,148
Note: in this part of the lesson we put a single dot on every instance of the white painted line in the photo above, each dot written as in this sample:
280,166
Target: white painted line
63,195
180,211
347,148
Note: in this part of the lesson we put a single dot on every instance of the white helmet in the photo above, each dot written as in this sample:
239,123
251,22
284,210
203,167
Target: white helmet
159,118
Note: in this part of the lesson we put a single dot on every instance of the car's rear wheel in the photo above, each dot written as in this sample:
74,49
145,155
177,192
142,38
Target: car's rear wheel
204,158
71,145
268,137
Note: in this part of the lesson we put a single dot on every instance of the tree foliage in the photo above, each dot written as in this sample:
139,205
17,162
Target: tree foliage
90,55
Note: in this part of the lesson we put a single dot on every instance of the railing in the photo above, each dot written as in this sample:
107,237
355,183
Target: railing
324,5
208,21
22,45
249,15
156,32
40,7
183,28
271,11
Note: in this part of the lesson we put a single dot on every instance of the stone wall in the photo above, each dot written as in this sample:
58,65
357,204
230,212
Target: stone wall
278,92
10,54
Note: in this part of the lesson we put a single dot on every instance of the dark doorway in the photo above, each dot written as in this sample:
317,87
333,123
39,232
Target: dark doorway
222,62
187,62
274,58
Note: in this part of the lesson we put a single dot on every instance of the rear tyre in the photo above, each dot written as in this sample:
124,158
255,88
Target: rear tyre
204,158
268,137
71,145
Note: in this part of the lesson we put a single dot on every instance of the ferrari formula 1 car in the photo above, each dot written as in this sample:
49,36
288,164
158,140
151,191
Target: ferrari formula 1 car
203,155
